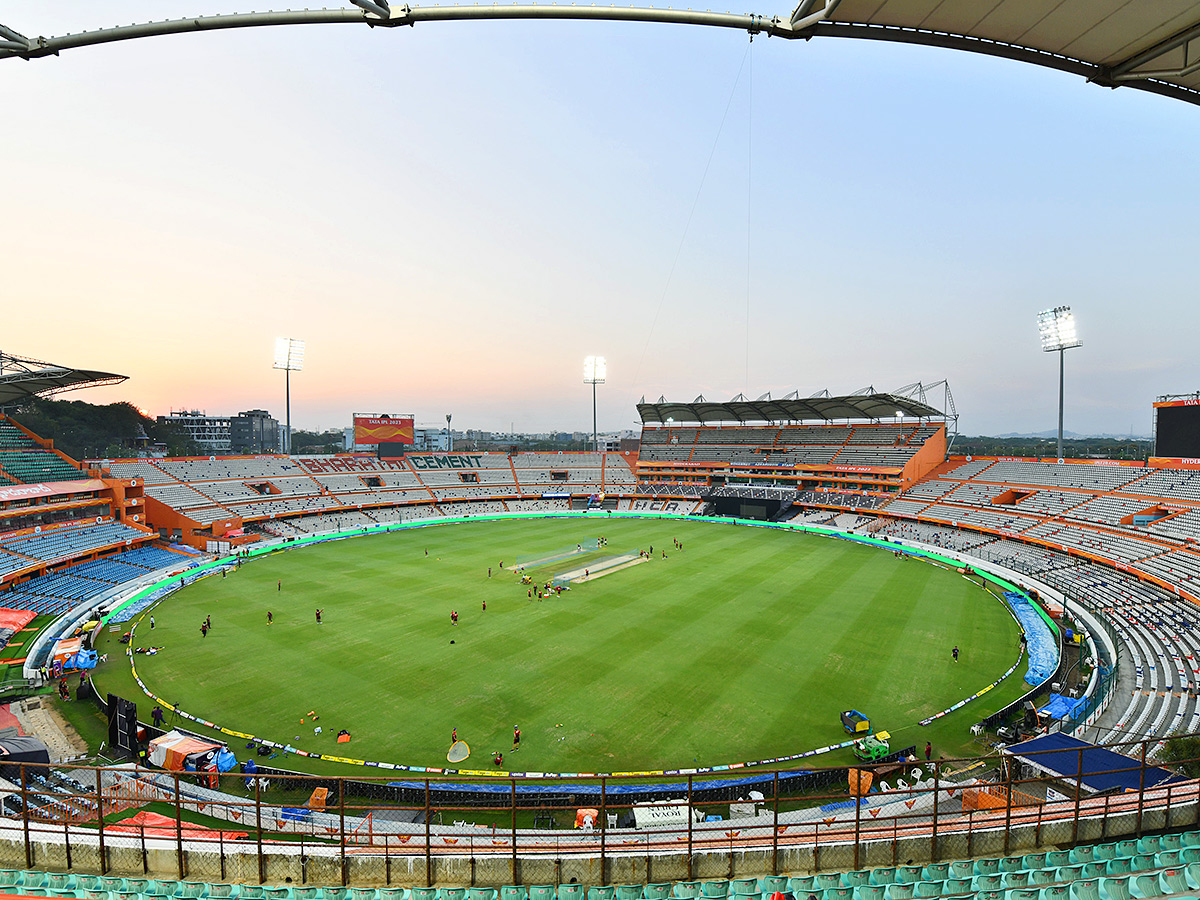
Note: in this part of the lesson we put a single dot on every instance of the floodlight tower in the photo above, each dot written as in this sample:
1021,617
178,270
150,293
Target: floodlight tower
289,356
1057,328
594,371
449,435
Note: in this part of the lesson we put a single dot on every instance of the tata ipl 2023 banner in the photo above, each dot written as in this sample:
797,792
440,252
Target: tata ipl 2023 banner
382,430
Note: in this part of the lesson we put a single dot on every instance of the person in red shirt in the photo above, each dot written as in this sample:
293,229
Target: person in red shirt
516,739
454,617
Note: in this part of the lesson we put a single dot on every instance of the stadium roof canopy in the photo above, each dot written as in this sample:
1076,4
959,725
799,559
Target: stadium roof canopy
21,378
1152,45
871,406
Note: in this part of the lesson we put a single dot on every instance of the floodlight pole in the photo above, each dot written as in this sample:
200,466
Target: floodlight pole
595,434
287,394
1062,353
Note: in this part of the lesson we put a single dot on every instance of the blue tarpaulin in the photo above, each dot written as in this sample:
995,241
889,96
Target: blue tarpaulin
1059,756
584,788
1060,707
1041,647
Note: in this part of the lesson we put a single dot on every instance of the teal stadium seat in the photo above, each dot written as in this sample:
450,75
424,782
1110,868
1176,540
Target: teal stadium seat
1056,858
1056,892
1033,861
769,884
989,895
624,892
1173,881
836,893
1023,894
881,876
800,884
956,887
1105,851
1119,865
935,872
1127,848
1192,870
927,889
1190,855
518,892
60,882
908,874
565,892
825,880
658,891
299,892
97,894
424,893
1115,888
222,891
1167,858
479,894
396,893
1172,841
277,893
1149,844
962,869
743,886
1085,889
337,893
1143,862
200,889
60,892
251,892
1093,869
1083,853
1015,880
717,890
372,894
456,893
897,891
1145,886
989,866
607,892
1068,873
855,878
987,883
11,877
870,892
1040,877
1012,864
682,890
1191,838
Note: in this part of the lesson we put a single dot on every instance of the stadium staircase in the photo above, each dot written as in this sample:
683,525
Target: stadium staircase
1146,868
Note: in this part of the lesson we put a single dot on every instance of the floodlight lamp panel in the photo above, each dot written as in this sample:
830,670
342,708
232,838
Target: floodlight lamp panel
594,370
289,354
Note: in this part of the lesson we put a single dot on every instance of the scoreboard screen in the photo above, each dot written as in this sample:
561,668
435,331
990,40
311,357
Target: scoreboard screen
1177,433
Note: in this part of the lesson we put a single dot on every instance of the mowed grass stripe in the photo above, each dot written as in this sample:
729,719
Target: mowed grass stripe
746,645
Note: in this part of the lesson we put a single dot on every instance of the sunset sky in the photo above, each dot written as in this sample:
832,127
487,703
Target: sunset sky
454,215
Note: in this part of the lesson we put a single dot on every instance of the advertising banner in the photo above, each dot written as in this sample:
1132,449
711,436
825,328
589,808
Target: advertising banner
382,430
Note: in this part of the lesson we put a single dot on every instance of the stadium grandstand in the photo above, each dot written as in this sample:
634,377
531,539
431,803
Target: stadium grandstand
1111,547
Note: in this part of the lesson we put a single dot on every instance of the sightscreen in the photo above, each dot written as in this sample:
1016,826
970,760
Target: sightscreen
382,430
1178,431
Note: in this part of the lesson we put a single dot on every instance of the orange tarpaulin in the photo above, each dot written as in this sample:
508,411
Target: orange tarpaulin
156,825
860,782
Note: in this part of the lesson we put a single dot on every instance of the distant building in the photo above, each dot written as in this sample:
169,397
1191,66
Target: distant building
430,438
211,433
254,431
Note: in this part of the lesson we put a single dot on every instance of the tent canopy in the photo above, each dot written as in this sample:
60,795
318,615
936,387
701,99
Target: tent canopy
1066,758
174,750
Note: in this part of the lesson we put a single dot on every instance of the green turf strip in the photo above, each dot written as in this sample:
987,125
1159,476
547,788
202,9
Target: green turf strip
744,646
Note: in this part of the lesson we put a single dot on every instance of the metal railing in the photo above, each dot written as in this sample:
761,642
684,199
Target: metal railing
272,827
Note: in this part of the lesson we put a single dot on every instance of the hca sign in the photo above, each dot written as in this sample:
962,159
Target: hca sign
446,462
